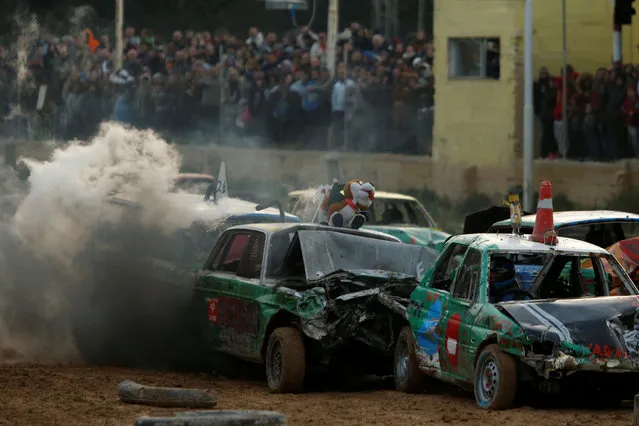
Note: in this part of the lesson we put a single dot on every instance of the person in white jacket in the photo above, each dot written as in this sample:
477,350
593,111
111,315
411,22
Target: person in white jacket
318,50
255,37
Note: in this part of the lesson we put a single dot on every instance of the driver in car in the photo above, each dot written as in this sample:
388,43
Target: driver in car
503,286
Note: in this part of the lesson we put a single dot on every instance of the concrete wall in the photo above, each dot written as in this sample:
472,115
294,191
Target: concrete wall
589,184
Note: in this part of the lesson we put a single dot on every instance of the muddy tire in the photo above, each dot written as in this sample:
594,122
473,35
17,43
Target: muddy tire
408,377
495,381
285,361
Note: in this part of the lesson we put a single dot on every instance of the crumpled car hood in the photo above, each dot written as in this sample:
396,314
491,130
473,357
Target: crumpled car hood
376,274
582,326
427,237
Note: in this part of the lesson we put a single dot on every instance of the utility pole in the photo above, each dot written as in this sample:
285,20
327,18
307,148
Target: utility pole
331,42
420,15
221,78
388,19
377,14
119,34
623,13
346,102
564,83
528,107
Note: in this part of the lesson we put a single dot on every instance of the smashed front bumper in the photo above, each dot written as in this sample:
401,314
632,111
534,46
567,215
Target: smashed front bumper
364,316
563,364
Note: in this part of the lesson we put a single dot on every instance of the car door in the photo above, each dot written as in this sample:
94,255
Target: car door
228,288
428,302
456,346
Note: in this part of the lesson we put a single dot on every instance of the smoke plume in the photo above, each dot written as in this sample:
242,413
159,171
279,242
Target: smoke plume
82,278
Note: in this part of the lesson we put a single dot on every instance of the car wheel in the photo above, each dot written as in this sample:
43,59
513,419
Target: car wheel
285,361
408,376
495,381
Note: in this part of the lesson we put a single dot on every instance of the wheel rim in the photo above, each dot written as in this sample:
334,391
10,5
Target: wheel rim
275,365
401,361
487,382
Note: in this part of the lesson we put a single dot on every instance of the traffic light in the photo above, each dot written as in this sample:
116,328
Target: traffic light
624,12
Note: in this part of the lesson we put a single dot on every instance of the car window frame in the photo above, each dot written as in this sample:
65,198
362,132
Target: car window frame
223,246
412,207
421,210
224,252
444,259
460,276
265,242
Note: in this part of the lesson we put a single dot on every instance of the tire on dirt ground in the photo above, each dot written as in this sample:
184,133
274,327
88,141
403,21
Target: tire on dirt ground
135,393
285,361
495,379
216,418
408,377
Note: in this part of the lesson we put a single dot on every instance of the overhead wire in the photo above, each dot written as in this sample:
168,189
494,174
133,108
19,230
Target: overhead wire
312,18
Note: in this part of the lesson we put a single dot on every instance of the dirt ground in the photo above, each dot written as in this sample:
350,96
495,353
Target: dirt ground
77,395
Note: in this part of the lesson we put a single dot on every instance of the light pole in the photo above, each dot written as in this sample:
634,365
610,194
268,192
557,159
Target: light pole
564,83
420,15
119,34
331,42
528,106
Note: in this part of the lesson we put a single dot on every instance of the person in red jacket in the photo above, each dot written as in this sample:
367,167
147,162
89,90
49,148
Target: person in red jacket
630,113
561,126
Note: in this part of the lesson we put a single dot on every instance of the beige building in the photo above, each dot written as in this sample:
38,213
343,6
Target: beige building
478,118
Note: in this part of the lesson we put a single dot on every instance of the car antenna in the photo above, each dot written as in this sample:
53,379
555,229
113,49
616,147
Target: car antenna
515,212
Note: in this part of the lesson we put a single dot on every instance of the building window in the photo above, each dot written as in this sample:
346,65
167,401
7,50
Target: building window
473,57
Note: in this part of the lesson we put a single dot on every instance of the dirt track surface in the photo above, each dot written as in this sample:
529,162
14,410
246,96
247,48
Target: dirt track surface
67,395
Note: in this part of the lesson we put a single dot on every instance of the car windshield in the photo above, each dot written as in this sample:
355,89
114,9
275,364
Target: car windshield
391,211
557,275
603,234
385,211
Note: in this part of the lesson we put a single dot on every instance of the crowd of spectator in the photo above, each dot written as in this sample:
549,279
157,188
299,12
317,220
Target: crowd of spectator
602,114
268,87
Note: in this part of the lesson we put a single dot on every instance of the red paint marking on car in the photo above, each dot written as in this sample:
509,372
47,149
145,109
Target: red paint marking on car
452,340
605,352
212,308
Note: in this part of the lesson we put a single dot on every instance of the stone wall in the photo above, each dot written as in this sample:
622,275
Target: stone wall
589,184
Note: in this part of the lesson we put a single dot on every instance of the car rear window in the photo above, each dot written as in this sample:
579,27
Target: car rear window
390,211
602,234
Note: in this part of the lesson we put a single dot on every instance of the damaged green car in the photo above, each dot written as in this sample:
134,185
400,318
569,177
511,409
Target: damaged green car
298,296
575,327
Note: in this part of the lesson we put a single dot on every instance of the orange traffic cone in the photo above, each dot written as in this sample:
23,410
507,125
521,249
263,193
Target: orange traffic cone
544,231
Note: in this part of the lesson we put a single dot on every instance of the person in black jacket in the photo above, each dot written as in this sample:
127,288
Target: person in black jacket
545,96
